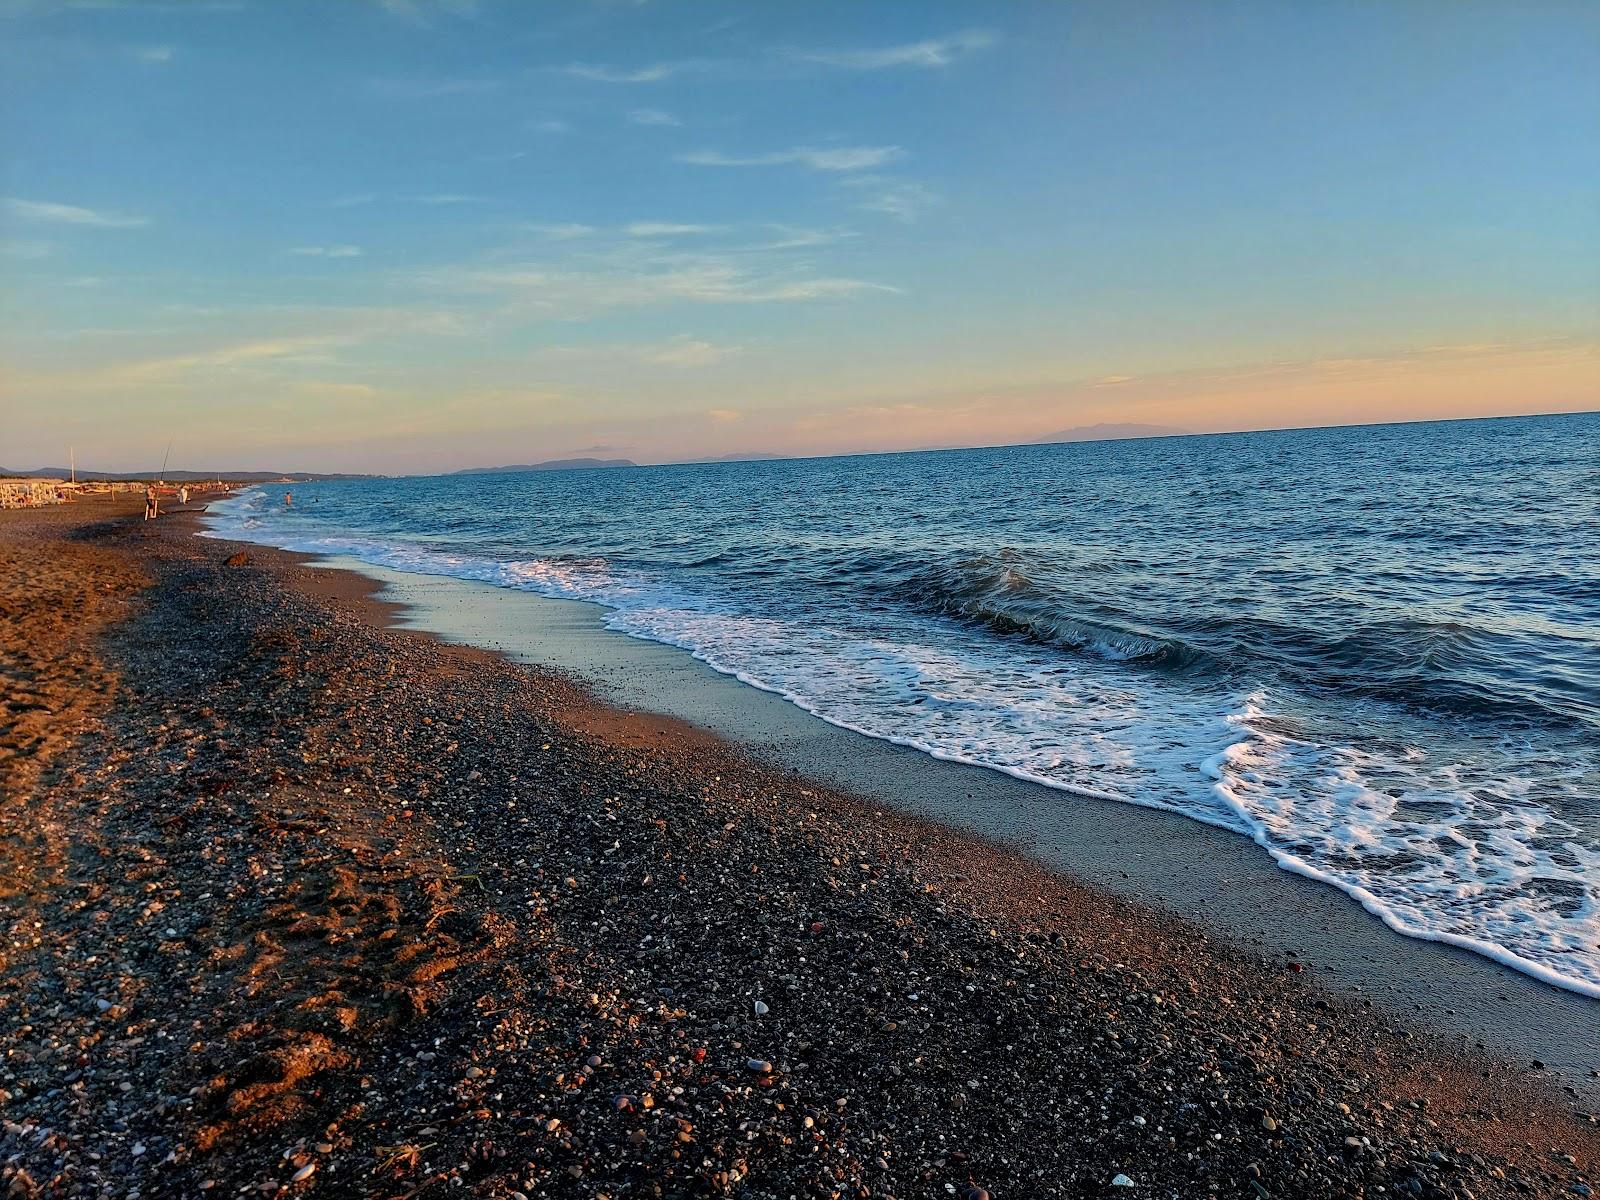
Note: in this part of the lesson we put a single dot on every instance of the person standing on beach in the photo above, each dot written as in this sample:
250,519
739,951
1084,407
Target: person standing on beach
183,495
150,507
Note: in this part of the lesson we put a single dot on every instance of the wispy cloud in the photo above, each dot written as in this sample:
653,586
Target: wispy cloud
240,354
686,353
935,52
683,352
652,116
70,214
147,6
432,89
423,12
561,233
603,74
831,158
901,199
154,55
659,229
790,237
360,199
274,362
574,292
327,251
724,416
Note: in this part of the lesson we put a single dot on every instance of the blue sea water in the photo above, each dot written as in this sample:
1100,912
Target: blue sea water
1374,650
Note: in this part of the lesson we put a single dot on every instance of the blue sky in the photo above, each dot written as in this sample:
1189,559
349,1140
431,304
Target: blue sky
421,235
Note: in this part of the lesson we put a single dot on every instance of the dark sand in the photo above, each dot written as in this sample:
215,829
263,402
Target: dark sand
333,908
1196,871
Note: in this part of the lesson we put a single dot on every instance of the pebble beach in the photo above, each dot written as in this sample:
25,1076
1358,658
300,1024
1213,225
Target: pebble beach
298,903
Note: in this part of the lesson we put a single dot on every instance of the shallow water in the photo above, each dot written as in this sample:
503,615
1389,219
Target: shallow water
1374,650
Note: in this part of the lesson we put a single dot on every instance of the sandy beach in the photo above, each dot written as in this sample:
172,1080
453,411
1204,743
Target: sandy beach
1205,874
299,902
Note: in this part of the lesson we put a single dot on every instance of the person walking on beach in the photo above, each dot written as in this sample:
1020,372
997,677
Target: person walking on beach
150,507
183,495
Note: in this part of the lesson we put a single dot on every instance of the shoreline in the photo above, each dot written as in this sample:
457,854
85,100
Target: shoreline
1217,877
415,915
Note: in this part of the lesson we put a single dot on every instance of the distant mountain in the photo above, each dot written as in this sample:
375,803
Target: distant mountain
1111,432
85,476
554,464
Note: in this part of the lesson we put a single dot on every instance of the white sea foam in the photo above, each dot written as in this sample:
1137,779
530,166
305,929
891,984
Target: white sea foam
1433,849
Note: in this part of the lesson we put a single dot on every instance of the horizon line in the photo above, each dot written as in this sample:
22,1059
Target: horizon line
87,475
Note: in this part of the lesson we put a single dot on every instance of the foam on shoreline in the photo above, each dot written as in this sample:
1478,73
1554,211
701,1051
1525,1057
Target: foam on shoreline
1313,808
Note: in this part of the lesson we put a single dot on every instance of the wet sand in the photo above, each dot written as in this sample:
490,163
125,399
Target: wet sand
338,908
1194,870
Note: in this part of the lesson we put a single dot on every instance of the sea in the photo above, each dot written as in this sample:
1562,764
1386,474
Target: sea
1373,650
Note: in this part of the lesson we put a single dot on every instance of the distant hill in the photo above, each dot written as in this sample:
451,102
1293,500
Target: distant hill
554,464
1111,432
183,476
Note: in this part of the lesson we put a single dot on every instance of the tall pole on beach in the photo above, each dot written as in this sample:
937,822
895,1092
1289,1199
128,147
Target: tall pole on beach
72,460
164,458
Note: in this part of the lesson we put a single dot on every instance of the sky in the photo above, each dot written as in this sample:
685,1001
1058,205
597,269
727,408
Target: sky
419,235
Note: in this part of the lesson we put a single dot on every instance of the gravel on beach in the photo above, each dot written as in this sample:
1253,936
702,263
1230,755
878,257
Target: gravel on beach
297,904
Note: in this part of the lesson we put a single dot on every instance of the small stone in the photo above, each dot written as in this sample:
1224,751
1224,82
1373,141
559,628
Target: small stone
474,1072
977,1193
761,1009
1121,1181
759,1065
1269,1124
304,1173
